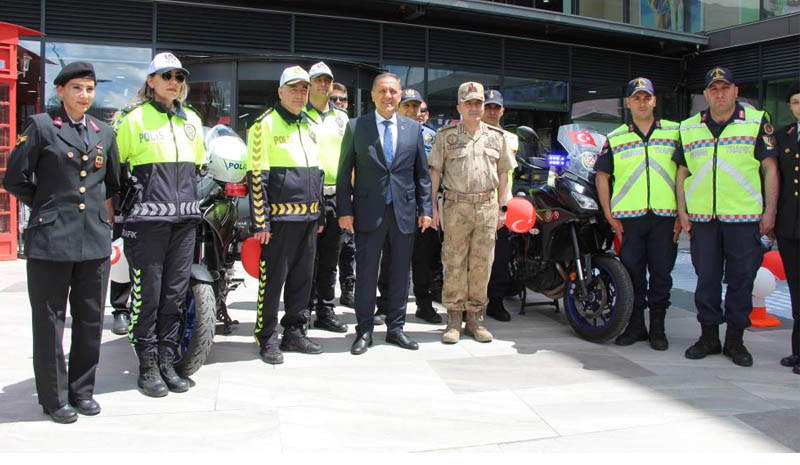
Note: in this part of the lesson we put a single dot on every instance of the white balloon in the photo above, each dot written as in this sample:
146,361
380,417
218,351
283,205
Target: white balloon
119,264
764,284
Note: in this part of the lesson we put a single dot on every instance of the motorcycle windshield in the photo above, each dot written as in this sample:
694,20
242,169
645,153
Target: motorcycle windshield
583,145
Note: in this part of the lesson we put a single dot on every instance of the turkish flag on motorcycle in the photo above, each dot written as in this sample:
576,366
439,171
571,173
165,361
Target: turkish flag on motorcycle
581,137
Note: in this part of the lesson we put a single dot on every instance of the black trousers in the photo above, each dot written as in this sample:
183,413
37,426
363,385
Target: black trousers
347,259
398,247
425,260
287,263
500,280
790,253
160,255
329,244
735,251
50,285
120,292
647,247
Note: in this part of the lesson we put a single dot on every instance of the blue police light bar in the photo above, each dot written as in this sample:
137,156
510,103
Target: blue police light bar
557,161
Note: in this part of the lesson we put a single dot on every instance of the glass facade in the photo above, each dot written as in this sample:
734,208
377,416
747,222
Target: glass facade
120,71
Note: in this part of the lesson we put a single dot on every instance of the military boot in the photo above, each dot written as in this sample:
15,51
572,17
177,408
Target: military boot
658,336
166,365
635,332
475,327
296,340
453,331
734,347
708,344
150,381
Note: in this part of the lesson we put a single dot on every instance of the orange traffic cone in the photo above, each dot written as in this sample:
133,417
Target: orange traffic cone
759,317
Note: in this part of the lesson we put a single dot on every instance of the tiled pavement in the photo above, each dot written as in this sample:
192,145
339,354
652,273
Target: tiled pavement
535,388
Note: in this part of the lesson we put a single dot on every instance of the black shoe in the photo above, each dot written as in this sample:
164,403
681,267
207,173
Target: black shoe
497,310
708,344
658,336
380,318
327,320
65,414
297,341
120,326
436,294
400,339
87,407
790,361
150,381
735,349
166,366
348,297
362,343
796,369
271,354
427,313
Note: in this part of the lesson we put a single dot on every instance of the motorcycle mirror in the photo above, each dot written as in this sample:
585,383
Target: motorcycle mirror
527,134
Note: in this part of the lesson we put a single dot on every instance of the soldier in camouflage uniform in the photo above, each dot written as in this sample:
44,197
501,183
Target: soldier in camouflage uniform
473,160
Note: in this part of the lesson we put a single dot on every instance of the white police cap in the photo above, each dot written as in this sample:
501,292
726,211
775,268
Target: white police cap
165,61
319,69
293,74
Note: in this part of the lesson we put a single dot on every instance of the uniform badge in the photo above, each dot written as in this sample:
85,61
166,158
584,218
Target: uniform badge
312,135
340,122
21,139
769,141
58,122
428,138
768,129
98,162
94,126
190,130
452,139
99,148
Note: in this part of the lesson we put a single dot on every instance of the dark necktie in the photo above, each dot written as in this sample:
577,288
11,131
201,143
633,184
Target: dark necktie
83,134
388,153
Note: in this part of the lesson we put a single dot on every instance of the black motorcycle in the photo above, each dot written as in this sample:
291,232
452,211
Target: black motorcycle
568,253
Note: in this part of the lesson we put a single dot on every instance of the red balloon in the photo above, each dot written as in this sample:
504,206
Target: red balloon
773,262
520,215
251,256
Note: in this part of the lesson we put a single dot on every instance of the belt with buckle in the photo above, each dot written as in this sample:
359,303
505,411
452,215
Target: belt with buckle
468,198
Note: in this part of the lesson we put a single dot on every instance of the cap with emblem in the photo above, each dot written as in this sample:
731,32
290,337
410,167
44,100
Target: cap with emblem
293,74
411,95
165,61
320,69
492,96
470,91
719,74
76,69
639,84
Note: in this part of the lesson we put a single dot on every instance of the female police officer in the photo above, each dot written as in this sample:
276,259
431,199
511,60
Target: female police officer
65,167
162,140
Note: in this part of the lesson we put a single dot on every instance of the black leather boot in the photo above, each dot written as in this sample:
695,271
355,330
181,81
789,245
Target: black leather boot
658,336
166,365
708,344
150,381
497,310
348,297
635,332
735,349
295,340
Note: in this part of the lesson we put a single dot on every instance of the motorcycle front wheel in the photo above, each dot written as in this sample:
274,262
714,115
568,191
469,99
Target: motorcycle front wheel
198,328
604,311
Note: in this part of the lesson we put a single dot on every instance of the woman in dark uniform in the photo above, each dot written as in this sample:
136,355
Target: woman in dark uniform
787,227
65,167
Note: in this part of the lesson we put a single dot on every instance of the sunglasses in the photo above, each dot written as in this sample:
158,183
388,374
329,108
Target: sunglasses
167,75
338,99
423,110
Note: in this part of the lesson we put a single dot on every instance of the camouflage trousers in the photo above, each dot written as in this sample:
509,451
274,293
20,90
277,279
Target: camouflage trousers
470,230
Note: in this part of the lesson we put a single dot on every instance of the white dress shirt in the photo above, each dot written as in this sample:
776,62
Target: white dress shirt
393,127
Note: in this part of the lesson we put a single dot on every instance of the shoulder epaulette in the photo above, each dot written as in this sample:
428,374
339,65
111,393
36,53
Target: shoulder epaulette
618,132
448,126
496,129
263,115
340,109
131,107
186,105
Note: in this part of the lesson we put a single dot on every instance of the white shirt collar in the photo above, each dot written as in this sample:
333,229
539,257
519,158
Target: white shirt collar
82,121
380,119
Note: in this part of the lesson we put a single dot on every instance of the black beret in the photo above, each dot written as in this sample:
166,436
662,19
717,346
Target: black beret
76,69
794,88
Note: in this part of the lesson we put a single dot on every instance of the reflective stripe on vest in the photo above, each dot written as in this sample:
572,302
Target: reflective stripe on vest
636,189
725,182
330,132
147,135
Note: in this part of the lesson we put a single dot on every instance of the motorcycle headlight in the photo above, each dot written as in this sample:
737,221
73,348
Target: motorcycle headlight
587,203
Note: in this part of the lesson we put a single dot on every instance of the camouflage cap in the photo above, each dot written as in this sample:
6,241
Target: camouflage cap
470,91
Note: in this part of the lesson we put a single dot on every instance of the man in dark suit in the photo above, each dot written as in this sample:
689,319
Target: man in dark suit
389,197
65,167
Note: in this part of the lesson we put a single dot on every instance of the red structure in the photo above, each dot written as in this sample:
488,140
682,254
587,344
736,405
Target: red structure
9,38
